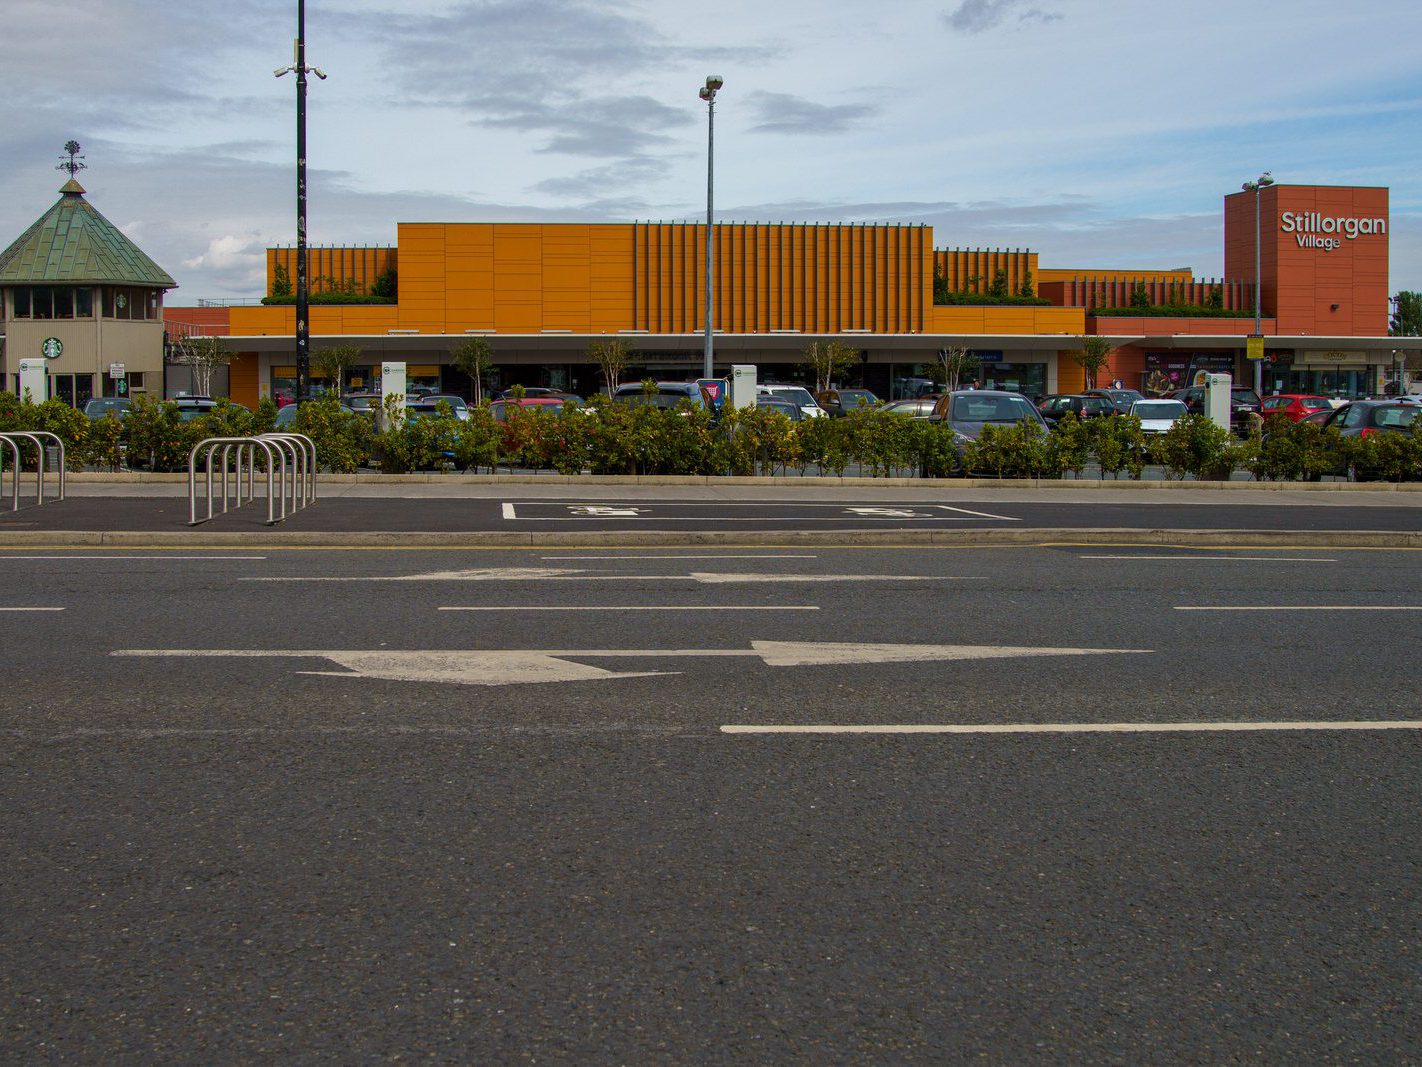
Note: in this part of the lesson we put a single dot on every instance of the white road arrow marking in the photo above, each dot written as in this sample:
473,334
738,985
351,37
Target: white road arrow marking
886,513
522,666
603,511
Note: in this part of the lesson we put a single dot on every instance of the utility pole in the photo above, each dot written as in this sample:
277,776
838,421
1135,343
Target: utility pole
303,294
708,93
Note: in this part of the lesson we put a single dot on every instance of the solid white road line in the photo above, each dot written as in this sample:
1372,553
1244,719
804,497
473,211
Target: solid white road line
1303,607
552,574
31,609
644,607
1078,728
738,555
1212,559
164,558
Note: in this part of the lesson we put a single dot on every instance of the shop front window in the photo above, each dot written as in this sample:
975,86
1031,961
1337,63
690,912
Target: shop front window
76,390
1029,379
53,302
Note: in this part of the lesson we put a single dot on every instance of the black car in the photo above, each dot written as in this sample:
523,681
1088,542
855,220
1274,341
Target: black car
1082,405
839,402
1121,398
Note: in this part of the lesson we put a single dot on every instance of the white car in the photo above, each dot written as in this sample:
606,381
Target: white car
1157,416
797,395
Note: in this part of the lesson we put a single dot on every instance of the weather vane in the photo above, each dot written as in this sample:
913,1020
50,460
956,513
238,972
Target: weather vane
72,164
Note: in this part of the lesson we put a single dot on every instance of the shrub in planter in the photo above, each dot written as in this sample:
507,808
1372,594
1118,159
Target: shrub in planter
342,438
1069,445
1195,446
825,445
1118,444
1018,451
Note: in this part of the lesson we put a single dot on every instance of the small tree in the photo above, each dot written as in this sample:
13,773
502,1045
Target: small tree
474,357
386,284
1026,290
1094,354
999,287
1140,295
281,282
204,355
335,361
828,360
956,363
612,358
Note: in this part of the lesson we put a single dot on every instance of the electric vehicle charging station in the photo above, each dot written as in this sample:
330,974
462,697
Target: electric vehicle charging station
392,383
743,383
34,380
1217,394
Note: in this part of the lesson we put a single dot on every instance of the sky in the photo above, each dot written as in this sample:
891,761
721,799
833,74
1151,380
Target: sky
1096,133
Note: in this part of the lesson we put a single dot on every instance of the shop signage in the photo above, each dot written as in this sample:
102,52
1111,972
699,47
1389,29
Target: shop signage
117,370
1254,346
1313,229
51,348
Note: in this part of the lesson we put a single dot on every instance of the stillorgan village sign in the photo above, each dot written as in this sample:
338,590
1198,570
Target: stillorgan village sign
1312,229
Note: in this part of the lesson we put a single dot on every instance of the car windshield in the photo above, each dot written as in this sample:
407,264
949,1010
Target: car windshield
908,407
799,397
853,397
1158,409
1244,396
991,409
100,406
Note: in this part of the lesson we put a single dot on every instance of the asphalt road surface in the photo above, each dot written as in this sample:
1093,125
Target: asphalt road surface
703,805
823,511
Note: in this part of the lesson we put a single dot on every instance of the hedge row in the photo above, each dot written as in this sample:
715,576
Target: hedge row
618,438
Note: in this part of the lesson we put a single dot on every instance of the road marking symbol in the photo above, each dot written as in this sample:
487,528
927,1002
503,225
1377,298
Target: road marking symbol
604,511
490,667
1074,728
571,574
886,513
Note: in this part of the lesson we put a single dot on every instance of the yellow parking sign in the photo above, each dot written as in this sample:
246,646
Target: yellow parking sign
1254,349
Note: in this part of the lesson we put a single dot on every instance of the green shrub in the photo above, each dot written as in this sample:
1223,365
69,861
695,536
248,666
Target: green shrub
1196,446
1118,444
1018,451
343,439
1069,444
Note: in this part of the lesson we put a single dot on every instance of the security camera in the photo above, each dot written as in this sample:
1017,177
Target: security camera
319,73
280,71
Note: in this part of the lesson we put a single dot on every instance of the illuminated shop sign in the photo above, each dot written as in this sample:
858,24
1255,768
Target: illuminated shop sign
1313,229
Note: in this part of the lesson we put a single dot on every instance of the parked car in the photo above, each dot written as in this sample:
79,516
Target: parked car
100,406
791,411
797,395
918,408
286,416
458,405
1157,416
1083,405
1318,418
1122,399
667,395
1293,406
839,402
557,405
967,411
1363,418
529,391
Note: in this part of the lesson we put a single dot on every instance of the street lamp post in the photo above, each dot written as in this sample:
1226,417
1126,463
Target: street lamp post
708,93
1263,181
303,295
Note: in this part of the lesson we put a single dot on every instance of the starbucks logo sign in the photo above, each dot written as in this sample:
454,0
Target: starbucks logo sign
52,347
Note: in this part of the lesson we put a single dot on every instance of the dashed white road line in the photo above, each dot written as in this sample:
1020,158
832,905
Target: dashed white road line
31,609
1075,727
642,607
1300,607
1215,559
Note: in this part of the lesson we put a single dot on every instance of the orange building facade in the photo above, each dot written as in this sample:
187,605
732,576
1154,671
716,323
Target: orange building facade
542,293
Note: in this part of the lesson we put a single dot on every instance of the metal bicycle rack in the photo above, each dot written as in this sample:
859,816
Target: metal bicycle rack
290,467
14,439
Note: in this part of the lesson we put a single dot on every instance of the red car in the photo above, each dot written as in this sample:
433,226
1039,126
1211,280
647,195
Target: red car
1294,406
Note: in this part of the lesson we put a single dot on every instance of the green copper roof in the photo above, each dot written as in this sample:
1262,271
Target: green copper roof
71,243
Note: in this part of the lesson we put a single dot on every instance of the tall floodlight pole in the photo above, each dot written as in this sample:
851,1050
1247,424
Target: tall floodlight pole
303,295
708,93
1263,181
